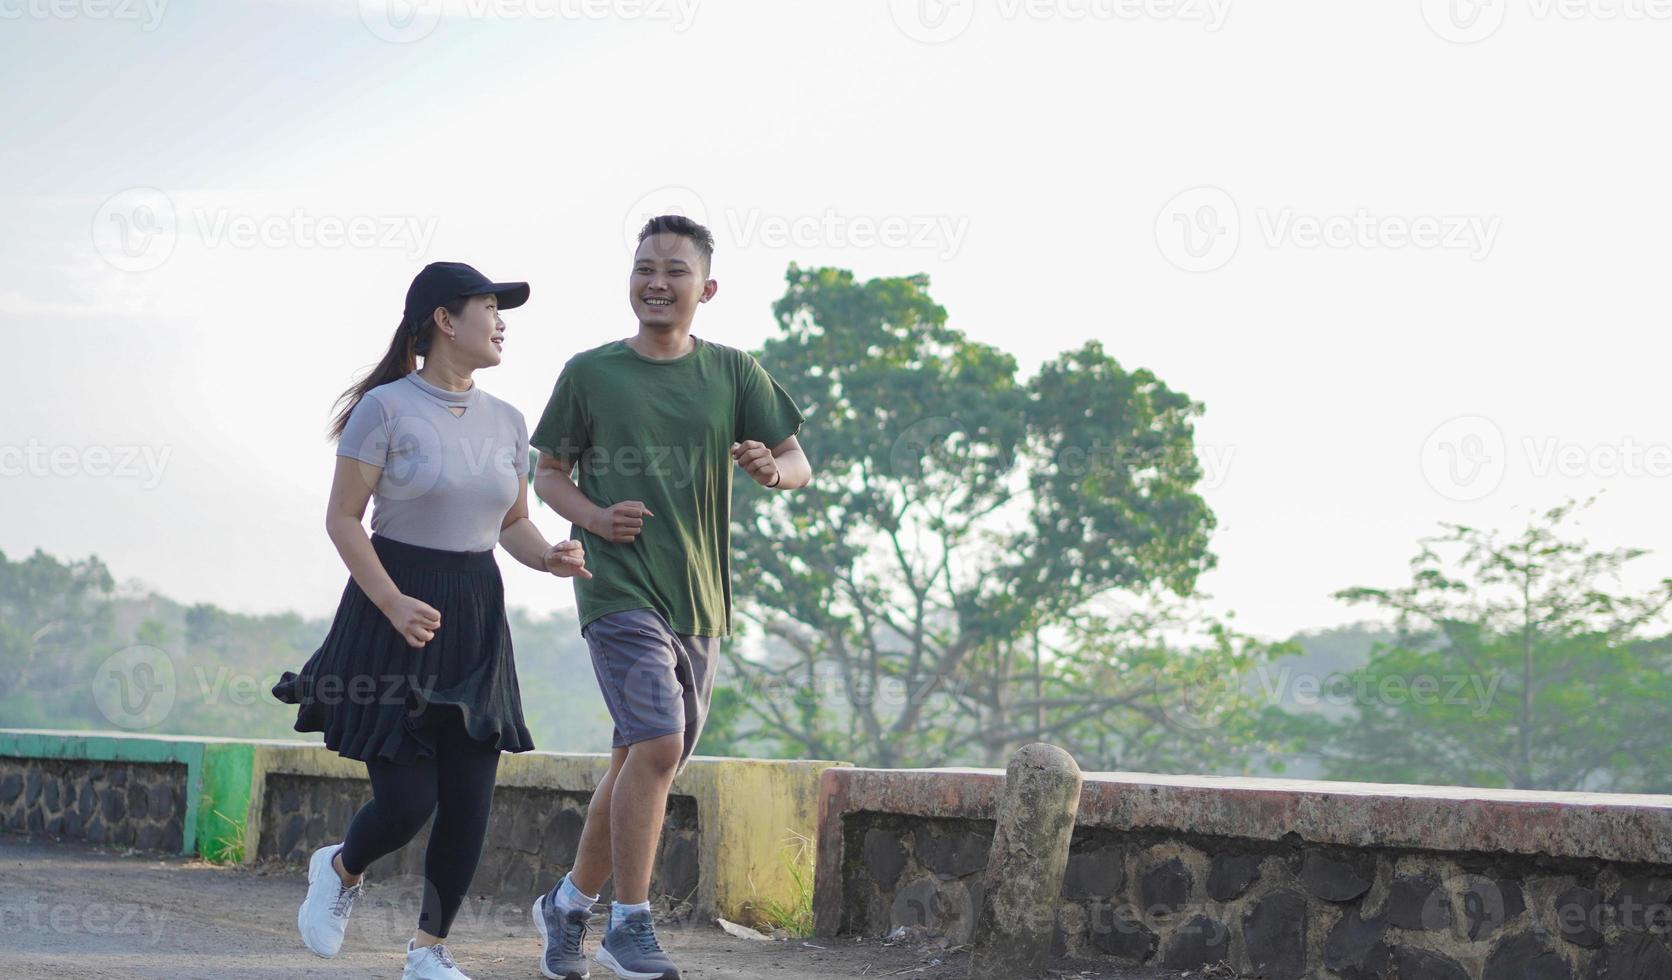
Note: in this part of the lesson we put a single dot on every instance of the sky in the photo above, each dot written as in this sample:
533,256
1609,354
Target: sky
1410,256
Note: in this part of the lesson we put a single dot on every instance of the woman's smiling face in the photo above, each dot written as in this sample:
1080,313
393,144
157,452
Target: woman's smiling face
478,332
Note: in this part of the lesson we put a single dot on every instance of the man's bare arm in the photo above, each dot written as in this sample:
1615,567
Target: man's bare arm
781,467
620,523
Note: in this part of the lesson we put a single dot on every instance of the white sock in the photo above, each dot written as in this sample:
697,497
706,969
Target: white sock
620,912
567,898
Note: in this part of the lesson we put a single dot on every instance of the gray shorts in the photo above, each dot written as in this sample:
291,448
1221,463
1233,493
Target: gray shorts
655,682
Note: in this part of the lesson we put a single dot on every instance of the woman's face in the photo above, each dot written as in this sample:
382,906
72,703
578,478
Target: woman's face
478,333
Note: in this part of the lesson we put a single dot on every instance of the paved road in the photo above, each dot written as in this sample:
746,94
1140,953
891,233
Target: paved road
72,910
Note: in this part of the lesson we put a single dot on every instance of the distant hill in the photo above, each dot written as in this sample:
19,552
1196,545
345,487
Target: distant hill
1313,682
1327,657
61,622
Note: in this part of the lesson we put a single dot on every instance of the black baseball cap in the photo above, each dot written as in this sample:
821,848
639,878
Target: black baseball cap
440,283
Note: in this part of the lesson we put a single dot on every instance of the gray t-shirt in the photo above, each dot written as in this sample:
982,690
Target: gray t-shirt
447,480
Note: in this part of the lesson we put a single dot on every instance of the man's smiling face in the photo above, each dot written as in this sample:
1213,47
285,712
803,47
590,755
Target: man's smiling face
669,280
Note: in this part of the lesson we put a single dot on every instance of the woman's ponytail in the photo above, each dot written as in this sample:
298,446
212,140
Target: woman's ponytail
405,348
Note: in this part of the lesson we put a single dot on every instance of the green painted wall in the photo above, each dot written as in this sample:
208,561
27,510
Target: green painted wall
750,811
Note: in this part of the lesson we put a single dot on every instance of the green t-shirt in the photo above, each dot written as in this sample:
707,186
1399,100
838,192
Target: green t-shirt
661,432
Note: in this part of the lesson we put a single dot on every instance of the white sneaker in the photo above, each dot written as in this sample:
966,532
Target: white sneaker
430,963
323,917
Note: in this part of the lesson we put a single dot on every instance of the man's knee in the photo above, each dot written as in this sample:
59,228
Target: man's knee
660,755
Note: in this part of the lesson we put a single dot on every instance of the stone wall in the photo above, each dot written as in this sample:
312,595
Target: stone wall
914,872
139,805
1283,910
1276,879
531,842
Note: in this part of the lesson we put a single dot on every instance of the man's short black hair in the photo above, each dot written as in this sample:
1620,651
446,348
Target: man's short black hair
678,224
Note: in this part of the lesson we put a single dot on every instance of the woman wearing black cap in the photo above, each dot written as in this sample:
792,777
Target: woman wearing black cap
416,676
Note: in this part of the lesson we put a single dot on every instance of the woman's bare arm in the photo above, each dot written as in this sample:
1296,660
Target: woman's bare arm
523,540
351,490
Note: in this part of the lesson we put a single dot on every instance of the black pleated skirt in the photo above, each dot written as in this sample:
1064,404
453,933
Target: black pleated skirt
376,697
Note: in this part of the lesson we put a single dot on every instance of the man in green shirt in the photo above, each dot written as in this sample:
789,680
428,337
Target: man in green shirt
652,426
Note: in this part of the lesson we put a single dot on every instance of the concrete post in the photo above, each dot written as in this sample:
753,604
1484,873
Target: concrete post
1025,867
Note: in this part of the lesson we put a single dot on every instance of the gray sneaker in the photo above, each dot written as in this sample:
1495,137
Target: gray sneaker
323,916
632,952
562,941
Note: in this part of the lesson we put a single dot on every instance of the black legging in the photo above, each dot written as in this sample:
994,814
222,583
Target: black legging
460,779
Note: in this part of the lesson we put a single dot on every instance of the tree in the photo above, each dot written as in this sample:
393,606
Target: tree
51,614
960,523
1166,688
1516,665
